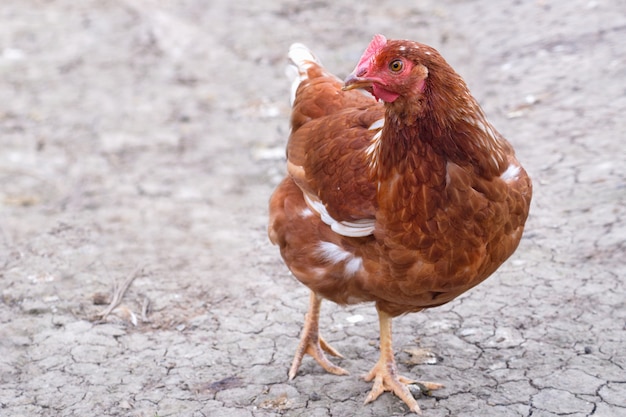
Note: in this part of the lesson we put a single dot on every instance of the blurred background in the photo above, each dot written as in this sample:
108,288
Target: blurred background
140,140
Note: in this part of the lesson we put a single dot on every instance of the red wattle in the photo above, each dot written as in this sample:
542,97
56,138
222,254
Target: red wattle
385,95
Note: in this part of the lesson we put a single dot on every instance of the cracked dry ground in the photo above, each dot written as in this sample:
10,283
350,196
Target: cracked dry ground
150,134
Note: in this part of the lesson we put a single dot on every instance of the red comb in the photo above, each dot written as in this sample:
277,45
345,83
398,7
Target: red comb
375,45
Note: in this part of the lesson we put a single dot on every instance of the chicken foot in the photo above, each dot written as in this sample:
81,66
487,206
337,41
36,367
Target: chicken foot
385,372
312,343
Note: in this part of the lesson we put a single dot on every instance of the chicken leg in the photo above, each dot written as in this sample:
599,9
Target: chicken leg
385,372
312,343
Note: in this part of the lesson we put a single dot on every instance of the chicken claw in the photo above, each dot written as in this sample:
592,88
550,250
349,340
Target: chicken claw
313,344
386,379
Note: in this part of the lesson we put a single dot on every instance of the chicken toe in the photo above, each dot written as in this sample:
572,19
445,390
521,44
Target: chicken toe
313,344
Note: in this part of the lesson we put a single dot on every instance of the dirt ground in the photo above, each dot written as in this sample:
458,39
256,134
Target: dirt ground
142,139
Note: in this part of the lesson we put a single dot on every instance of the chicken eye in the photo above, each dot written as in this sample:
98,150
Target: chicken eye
396,65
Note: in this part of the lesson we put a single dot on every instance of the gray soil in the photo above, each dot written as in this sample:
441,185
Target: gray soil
141,139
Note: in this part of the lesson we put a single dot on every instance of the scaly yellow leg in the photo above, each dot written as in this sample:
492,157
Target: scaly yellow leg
313,344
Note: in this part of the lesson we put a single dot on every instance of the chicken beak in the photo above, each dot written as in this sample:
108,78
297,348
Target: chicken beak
353,81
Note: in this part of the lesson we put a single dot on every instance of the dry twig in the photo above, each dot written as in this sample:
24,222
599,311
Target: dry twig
118,292
145,309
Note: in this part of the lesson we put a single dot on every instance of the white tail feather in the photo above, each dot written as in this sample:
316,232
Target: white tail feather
301,56
301,59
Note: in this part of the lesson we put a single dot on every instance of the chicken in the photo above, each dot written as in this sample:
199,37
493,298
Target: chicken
406,199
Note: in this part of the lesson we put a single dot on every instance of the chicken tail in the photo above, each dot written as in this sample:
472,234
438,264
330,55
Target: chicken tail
301,60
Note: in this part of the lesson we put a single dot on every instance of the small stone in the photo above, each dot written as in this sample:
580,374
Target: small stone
125,405
415,390
100,299
34,307
354,319
420,356
314,396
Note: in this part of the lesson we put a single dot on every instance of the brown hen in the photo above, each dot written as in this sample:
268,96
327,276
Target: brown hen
406,199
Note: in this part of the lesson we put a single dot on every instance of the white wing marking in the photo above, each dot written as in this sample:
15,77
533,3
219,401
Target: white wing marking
306,212
511,173
359,228
378,124
336,254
